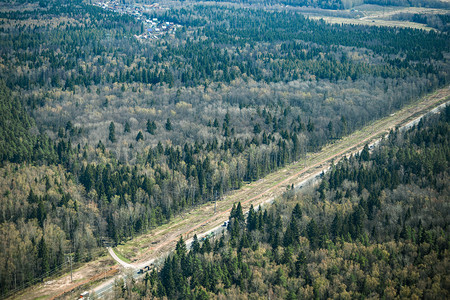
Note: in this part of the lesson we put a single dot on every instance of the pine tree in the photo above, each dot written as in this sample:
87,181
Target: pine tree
252,221
292,234
181,248
195,246
300,263
312,232
297,212
365,155
330,129
168,125
139,136
112,132
236,213
344,125
127,127
101,146
151,126
310,126
43,255
41,213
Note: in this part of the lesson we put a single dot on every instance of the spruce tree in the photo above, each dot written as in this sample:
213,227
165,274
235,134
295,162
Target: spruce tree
168,125
195,246
43,255
181,247
127,127
112,132
139,136
151,126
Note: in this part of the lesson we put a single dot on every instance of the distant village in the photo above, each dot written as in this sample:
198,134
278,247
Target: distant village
153,28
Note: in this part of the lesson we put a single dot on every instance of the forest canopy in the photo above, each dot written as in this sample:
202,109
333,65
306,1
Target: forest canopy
105,136
375,226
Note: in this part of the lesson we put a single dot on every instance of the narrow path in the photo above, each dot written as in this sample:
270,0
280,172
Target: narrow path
116,258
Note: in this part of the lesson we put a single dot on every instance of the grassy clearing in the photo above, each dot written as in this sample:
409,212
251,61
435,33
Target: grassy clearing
382,16
372,22
42,297
119,255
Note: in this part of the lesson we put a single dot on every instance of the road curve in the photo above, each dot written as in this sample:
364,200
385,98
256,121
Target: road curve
121,262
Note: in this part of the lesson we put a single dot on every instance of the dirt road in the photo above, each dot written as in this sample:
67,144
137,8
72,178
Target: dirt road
121,262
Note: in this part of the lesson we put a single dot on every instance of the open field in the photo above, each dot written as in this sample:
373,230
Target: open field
381,16
159,241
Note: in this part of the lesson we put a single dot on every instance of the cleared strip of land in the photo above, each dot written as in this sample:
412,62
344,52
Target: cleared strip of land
379,16
160,241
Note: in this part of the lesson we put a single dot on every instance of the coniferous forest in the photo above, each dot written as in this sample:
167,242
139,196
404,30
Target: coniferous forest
376,226
104,136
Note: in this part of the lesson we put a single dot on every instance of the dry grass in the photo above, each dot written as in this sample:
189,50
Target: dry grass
373,22
379,16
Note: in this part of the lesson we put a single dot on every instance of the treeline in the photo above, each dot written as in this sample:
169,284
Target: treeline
375,227
408,3
324,4
439,22
345,4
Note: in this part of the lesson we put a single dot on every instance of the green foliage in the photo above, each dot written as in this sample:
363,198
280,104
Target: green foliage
168,125
343,256
139,136
151,127
18,143
15,125
112,132
260,75
41,223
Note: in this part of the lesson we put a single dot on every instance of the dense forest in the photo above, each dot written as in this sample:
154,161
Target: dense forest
104,136
375,226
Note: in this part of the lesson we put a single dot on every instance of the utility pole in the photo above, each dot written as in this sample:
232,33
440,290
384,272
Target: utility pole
215,203
103,244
